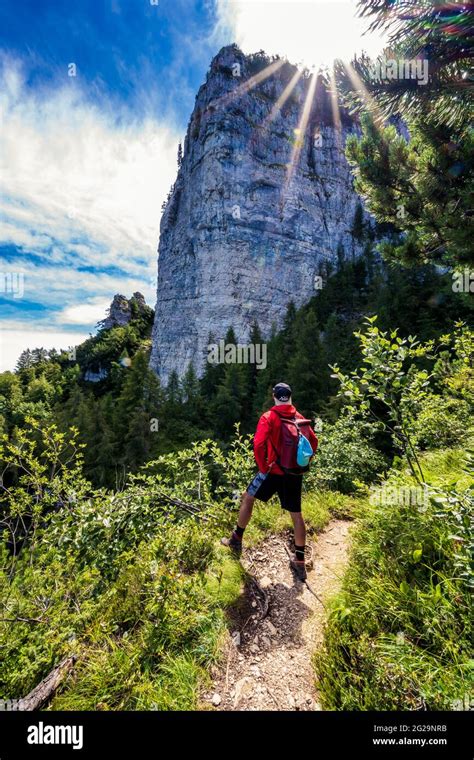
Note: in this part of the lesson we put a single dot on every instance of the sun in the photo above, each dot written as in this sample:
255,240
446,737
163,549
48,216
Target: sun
309,33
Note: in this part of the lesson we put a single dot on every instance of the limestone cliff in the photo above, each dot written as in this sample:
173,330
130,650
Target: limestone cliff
262,199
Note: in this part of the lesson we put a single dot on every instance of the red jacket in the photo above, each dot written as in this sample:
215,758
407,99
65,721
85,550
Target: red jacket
268,433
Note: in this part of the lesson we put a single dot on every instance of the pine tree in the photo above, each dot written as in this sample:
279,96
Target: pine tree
226,409
288,338
422,187
250,374
440,34
39,355
190,385
340,256
174,396
195,412
139,404
307,373
213,374
25,360
358,224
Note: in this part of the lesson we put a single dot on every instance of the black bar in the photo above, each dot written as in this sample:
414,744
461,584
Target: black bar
155,734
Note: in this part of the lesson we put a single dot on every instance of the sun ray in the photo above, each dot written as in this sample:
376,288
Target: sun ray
283,98
366,96
336,115
249,84
300,132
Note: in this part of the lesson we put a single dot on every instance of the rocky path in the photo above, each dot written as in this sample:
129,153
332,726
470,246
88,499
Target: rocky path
279,625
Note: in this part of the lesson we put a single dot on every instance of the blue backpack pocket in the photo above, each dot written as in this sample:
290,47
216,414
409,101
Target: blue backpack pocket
304,452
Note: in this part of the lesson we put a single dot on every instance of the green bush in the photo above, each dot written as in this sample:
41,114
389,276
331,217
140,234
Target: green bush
441,422
345,457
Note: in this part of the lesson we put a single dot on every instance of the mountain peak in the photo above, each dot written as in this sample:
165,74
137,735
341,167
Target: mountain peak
263,199
121,311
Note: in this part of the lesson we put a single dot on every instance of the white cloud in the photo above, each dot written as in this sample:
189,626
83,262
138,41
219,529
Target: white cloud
312,32
84,313
59,287
89,182
81,189
13,342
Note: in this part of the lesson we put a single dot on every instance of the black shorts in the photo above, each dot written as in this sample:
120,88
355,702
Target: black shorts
288,488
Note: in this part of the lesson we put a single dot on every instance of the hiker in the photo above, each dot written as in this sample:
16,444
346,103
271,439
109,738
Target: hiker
284,444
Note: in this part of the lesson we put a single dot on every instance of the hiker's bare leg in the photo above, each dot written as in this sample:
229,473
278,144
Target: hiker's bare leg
299,528
245,512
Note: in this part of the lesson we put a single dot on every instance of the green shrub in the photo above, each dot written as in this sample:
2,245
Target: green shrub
346,456
441,422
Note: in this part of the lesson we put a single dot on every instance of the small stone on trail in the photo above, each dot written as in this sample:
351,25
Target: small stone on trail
269,625
242,689
216,699
236,638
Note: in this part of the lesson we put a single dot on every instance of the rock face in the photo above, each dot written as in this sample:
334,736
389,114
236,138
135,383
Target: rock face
263,198
120,310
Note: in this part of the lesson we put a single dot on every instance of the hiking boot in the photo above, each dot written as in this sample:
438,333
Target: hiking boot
233,543
299,568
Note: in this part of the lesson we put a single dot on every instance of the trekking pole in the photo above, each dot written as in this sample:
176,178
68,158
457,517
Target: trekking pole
306,582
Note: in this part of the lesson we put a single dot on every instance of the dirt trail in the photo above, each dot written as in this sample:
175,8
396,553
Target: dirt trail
279,626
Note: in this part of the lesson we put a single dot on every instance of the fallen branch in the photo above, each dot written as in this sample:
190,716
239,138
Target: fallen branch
193,509
47,687
22,620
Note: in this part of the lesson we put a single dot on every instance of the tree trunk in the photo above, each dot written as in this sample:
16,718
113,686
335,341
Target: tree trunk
47,687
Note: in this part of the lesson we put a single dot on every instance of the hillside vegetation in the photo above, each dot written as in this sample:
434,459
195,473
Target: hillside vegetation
135,584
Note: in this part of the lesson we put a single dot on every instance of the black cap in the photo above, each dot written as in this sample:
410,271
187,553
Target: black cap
282,392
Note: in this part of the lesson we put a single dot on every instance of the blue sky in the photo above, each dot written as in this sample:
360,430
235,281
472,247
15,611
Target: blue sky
95,96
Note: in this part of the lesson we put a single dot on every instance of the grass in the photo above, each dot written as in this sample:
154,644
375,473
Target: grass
147,630
396,637
398,633
154,638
